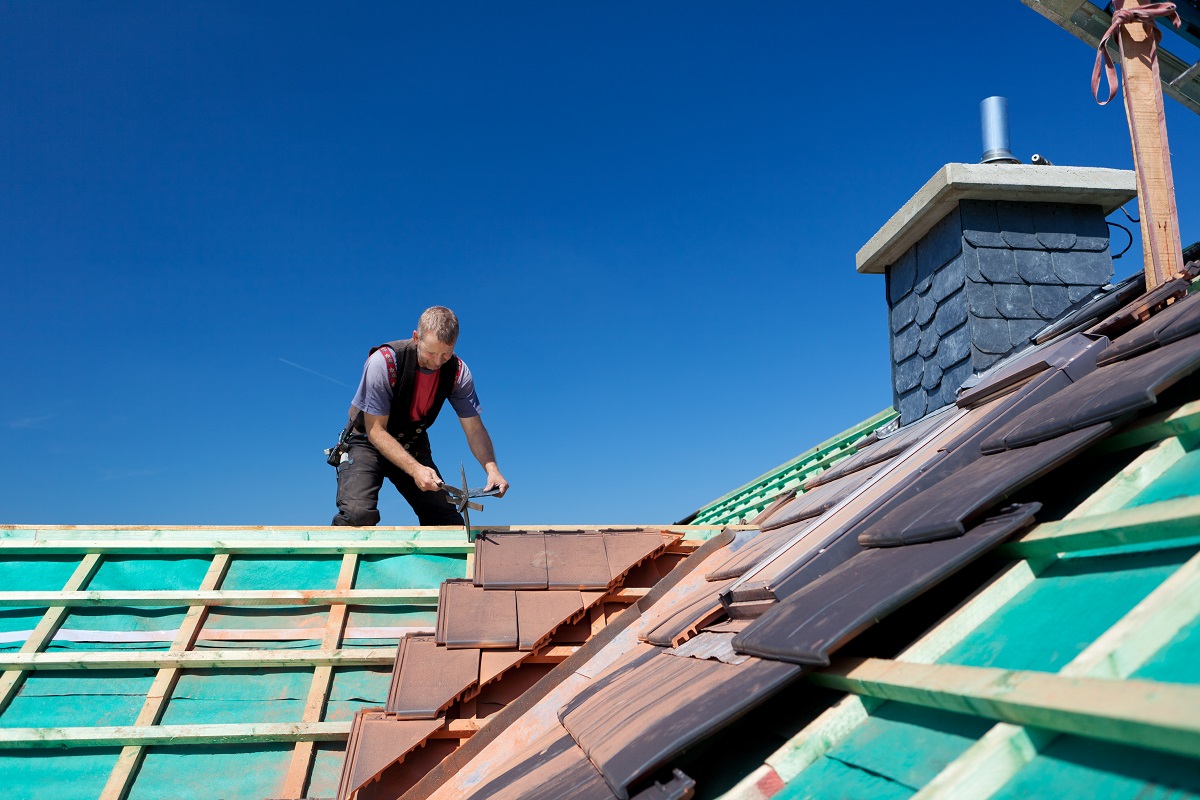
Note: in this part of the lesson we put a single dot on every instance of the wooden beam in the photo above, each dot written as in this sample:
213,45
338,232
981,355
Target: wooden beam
120,780
300,767
122,546
206,659
1155,522
1161,716
29,539
243,597
1181,421
51,621
173,735
1161,245
1132,480
1118,653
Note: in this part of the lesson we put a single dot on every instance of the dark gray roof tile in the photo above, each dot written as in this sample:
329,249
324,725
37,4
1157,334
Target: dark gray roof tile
991,336
998,265
1035,266
981,299
819,619
929,342
912,406
903,312
902,275
940,245
951,313
1105,394
955,346
1013,300
955,495
904,344
980,224
908,374
1049,301
926,308
676,702
1083,268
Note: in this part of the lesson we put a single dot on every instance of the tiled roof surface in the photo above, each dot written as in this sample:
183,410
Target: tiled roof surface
758,609
511,612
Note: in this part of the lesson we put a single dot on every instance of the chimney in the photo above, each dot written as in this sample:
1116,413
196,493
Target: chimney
982,258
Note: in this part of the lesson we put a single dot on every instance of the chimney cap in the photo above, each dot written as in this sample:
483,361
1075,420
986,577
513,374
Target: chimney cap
941,194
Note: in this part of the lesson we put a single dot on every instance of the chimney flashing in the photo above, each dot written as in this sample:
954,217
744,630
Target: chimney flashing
953,183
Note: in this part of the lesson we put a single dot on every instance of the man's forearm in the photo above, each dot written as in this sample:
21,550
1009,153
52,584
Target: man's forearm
481,447
393,451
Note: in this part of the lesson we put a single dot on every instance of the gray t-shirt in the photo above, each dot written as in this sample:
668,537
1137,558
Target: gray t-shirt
374,395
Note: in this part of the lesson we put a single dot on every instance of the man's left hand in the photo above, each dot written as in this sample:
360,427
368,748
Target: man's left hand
496,481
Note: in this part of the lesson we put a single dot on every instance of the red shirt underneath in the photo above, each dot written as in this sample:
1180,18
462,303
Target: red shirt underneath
423,392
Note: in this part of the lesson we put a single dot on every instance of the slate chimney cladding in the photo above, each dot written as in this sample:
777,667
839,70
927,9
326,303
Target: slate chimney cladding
980,284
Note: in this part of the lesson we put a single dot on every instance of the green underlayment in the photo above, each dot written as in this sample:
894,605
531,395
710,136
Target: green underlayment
1102,771
899,748
891,755
107,698
1070,604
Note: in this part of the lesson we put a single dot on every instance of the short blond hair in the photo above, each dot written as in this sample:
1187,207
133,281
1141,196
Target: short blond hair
441,322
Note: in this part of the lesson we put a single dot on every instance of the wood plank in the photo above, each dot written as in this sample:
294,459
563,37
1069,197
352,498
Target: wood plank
1118,653
173,735
222,634
1161,245
1150,714
206,659
1182,421
1130,481
243,597
120,780
1155,522
51,621
300,767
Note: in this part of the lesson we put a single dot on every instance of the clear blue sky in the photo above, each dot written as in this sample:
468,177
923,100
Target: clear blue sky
645,215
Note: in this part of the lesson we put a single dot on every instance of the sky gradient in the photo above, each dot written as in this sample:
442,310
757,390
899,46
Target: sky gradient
645,215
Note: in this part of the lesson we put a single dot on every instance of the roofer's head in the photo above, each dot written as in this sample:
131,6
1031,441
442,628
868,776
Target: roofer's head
436,334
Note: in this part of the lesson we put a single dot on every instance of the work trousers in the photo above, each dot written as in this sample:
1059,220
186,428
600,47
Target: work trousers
361,476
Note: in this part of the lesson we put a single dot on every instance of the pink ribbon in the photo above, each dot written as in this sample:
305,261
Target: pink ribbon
1124,16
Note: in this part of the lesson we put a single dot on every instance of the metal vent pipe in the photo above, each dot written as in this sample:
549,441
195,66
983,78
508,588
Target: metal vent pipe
993,116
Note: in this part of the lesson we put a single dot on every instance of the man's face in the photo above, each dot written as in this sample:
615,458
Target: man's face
432,353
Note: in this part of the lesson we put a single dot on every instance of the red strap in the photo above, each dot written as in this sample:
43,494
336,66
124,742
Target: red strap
1123,16
390,358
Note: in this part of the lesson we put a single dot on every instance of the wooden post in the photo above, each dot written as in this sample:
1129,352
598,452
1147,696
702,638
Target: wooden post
1162,251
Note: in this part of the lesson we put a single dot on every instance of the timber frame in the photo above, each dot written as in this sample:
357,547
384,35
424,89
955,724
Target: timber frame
222,545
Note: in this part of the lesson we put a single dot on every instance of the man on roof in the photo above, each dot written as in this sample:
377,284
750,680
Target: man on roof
404,384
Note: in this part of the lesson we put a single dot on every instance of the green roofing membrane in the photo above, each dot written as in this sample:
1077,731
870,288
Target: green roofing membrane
211,773
202,696
78,774
72,698
1181,479
898,749
1065,609
1072,766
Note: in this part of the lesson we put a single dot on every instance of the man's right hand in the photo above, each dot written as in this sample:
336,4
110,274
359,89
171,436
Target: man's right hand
426,478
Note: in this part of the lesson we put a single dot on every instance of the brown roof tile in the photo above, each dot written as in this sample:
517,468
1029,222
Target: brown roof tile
539,613
428,677
510,560
469,616
640,716
378,740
